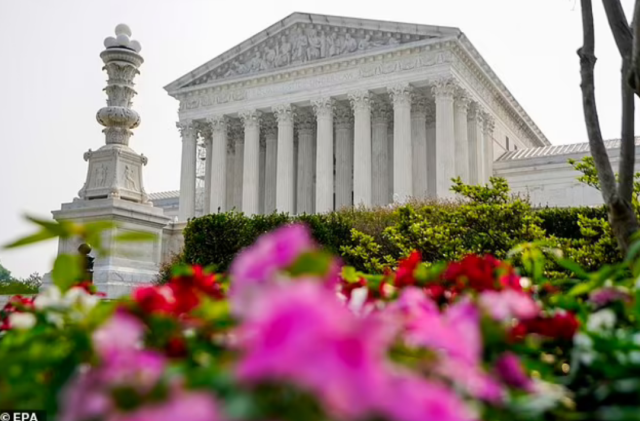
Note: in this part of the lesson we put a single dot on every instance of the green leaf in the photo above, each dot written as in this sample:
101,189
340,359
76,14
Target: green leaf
573,267
67,271
135,236
350,274
31,239
633,252
315,263
583,288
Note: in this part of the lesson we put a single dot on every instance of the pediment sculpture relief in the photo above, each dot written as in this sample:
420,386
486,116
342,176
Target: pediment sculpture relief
300,45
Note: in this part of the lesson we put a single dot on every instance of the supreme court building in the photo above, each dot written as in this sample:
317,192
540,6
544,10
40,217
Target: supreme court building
317,113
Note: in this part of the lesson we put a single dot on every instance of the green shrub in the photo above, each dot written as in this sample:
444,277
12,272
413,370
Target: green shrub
564,222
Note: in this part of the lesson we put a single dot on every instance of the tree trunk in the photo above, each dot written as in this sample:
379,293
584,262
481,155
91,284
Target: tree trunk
624,223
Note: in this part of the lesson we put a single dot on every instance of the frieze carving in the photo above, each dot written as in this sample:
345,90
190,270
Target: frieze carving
301,44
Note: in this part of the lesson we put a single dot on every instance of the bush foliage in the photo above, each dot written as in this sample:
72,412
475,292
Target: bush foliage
483,220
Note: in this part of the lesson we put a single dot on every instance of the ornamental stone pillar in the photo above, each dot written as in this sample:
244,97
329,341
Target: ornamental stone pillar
285,169
187,204
402,160
443,91
261,173
305,125
231,162
344,155
251,163
475,123
390,130
218,172
489,126
237,136
360,102
205,133
431,150
323,109
461,136
270,130
419,146
380,113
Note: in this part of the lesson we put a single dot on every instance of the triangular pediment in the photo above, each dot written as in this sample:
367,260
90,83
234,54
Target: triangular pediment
304,38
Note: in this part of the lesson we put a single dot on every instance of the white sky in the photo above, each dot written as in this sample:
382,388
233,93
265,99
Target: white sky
52,80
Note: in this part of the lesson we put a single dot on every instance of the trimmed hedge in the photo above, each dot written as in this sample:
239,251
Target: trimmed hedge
486,220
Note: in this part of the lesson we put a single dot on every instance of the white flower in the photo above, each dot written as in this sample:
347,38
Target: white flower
50,297
81,298
22,320
583,349
55,319
545,396
601,321
358,298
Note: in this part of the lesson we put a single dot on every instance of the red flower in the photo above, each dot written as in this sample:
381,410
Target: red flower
176,347
155,299
481,273
435,291
406,269
348,287
562,326
16,304
90,288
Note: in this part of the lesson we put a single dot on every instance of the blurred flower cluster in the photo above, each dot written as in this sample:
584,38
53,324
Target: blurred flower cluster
292,334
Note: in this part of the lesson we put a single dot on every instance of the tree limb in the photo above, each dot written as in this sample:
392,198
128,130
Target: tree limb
626,170
619,26
634,73
587,85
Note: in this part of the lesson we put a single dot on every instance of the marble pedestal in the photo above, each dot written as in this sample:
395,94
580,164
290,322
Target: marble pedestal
128,264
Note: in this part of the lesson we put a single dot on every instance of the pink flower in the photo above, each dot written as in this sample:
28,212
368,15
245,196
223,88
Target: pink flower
191,406
121,332
508,304
512,373
606,295
411,398
258,264
302,334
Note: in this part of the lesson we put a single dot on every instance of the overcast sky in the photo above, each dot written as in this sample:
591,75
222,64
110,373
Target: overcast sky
52,80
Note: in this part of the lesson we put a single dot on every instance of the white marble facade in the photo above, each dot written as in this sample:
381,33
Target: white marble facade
319,112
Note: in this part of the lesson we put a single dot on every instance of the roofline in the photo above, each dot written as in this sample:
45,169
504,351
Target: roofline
299,17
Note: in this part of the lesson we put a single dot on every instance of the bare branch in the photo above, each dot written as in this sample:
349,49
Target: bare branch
596,144
628,144
619,26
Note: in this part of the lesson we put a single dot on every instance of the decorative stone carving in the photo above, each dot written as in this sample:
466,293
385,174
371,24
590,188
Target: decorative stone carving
420,104
285,113
342,115
250,119
400,94
218,123
269,126
187,129
301,44
323,106
462,100
445,87
360,100
476,114
380,109
305,120
489,125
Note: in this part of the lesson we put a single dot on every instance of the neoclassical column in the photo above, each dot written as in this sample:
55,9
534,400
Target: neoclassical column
218,169
402,160
380,113
390,129
475,123
285,170
489,126
443,91
270,130
419,146
360,102
323,109
187,204
461,135
432,175
238,162
251,164
205,133
230,175
343,119
261,174
305,125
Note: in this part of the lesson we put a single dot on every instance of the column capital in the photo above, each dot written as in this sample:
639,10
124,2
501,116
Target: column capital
380,109
401,94
269,126
489,124
476,113
218,123
323,107
342,114
204,130
187,129
462,100
250,118
360,100
420,105
305,120
444,88
284,113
